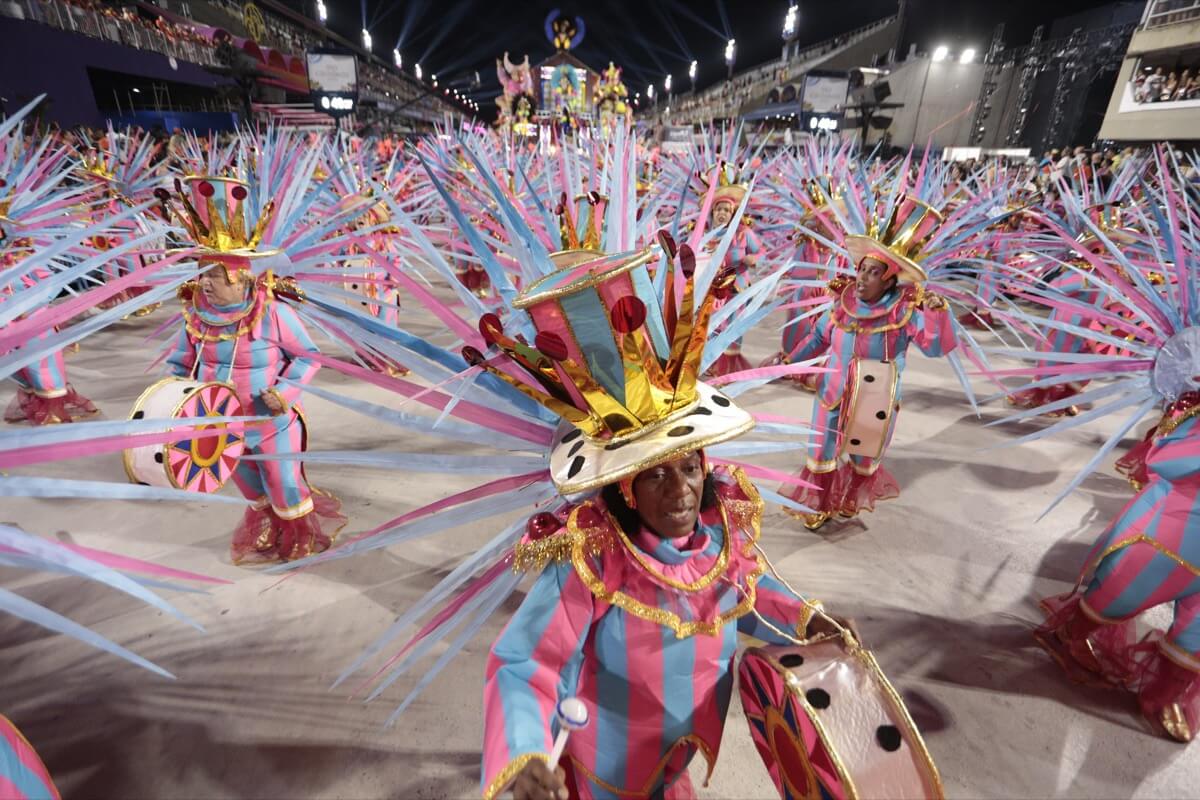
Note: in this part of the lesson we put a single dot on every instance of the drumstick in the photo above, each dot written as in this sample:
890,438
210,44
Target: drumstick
572,715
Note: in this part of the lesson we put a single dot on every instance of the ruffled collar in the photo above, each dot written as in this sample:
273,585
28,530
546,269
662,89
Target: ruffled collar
212,322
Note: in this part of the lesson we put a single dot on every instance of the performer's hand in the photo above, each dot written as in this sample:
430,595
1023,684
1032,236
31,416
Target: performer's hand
820,626
273,403
537,782
934,302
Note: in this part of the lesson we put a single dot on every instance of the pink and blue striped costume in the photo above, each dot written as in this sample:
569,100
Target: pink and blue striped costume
1074,286
644,631
258,346
1153,548
1149,556
742,251
43,395
853,330
23,776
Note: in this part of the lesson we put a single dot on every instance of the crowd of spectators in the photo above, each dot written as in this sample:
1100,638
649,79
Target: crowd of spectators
1160,85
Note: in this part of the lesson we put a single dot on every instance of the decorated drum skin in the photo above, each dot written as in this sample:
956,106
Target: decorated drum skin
872,407
829,725
195,465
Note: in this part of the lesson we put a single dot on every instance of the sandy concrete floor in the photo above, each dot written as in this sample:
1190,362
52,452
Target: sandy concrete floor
942,581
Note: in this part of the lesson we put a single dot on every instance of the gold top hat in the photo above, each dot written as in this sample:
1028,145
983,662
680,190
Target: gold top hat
617,364
1107,216
596,206
216,218
900,241
98,165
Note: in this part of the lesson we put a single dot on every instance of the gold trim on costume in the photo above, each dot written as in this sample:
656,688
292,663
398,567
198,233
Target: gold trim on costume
701,583
658,615
691,738
532,296
506,776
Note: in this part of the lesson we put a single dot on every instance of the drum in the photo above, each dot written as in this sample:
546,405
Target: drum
829,726
872,406
194,465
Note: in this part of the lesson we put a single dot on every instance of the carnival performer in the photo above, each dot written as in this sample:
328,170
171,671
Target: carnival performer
1080,295
1150,554
123,172
237,330
660,569
867,331
740,259
644,546
34,200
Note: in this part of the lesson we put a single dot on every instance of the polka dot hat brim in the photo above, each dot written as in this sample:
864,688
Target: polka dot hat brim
579,464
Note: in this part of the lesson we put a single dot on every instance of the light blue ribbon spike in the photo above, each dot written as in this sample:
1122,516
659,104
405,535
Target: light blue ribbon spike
20,486
496,596
459,576
31,612
87,568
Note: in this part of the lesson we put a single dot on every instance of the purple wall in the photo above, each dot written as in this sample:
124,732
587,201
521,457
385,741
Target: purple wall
36,59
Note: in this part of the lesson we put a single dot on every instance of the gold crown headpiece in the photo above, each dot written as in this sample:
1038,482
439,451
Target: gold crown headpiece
900,240
217,218
618,365
595,205
100,165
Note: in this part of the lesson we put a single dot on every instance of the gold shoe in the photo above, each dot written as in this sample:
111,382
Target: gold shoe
1175,723
814,521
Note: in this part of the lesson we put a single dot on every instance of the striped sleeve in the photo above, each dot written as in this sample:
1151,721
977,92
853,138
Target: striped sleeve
1176,456
777,610
183,357
296,343
533,664
817,340
932,330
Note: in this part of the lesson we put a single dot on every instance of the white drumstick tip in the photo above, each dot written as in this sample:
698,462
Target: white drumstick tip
572,715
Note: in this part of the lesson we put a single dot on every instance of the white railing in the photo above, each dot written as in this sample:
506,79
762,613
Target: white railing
1170,12
114,26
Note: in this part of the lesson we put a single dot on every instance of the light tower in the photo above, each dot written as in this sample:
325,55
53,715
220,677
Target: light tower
730,54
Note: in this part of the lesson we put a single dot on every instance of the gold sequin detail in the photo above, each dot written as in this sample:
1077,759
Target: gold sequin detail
661,616
505,776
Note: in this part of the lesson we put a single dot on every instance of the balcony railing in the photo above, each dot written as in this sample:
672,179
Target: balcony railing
111,26
1161,13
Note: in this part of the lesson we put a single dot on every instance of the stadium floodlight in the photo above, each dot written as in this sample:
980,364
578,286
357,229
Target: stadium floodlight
417,71
396,57
366,39
967,56
322,14
692,72
667,85
730,51
650,91
789,23
940,52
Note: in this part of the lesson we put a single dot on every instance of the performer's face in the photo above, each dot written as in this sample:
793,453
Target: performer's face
721,214
870,283
668,495
219,290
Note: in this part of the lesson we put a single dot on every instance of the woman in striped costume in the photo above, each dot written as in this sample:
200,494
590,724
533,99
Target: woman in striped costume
236,331
642,594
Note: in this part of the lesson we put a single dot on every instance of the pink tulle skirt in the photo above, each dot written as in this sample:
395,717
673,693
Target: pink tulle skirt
1033,398
841,493
27,406
1094,653
263,536
976,321
1133,464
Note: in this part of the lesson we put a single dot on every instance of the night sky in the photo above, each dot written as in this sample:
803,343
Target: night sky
650,38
